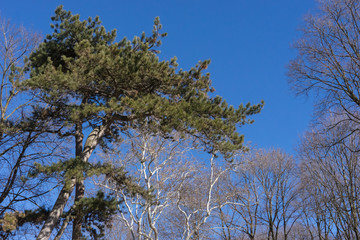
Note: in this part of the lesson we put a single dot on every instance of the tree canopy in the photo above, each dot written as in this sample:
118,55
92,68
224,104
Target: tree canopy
328,57
84,75
98,90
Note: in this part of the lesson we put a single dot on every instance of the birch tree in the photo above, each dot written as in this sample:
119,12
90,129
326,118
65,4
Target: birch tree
185,191
151,161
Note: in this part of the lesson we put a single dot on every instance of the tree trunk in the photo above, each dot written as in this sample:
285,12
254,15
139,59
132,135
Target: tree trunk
57,210
79,194
80,187
50,223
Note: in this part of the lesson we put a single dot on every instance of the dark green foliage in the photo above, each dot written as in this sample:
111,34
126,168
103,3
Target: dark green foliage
83,75
97,213
86,82
81,170
14,220
36,216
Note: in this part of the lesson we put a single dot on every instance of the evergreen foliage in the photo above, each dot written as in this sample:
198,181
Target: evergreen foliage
97,213
84,75
89,83
11,221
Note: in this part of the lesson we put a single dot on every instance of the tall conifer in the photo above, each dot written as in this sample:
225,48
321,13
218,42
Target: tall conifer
89,83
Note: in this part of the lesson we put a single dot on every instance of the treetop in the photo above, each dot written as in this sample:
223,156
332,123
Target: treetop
84,75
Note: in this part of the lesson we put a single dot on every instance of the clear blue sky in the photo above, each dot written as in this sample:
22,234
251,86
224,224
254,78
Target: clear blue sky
248,42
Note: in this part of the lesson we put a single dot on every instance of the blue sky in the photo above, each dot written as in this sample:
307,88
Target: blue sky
248,42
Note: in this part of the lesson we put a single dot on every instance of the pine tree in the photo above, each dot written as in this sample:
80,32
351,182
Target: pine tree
89,83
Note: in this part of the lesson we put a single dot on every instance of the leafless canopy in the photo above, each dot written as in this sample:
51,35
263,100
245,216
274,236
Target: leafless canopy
16,43
331,181
328,59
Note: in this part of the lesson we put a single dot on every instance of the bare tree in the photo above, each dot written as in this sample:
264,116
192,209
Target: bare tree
265,188
20,144
328,61
16,43
230,217
184,190
246,200
151,161
330,163
315,219
198,200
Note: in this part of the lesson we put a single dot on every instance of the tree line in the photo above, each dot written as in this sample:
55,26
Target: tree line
100,139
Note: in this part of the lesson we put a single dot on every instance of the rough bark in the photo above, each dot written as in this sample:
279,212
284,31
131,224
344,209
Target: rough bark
50,223
80,187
